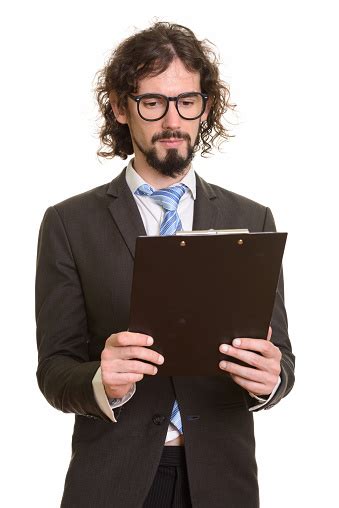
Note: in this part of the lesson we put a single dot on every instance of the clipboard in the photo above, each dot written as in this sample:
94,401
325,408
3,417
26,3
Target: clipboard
192,293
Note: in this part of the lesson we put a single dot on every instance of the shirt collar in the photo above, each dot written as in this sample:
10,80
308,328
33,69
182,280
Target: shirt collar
134,180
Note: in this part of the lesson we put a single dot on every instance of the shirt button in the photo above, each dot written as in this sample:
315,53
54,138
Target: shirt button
158,419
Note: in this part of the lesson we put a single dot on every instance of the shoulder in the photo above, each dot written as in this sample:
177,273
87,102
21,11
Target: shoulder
84,211
93,202
90,198
235,209
77,213
237,200
222,195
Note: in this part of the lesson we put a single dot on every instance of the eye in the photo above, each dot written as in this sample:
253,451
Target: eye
188,102
152,102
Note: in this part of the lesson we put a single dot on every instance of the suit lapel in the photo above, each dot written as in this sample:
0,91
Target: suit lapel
125,212
205,209
213,209
126,216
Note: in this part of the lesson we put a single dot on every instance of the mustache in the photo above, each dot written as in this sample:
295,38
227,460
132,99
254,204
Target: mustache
171,134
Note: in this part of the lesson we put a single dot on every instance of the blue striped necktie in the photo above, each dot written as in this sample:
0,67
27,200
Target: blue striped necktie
169,199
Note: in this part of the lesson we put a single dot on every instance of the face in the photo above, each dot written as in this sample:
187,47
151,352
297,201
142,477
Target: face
165,145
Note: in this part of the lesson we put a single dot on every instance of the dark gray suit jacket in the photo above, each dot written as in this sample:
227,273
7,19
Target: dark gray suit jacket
84,275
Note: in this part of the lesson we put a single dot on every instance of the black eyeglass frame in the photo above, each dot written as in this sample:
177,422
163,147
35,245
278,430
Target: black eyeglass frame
137,99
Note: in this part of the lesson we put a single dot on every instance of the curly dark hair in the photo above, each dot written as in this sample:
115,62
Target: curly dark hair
149,53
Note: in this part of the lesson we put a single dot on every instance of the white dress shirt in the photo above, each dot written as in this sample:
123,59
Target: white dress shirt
152,215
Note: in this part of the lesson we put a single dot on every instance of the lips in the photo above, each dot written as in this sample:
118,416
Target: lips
171,142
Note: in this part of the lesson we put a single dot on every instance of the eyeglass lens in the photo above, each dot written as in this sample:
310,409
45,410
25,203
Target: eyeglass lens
153,107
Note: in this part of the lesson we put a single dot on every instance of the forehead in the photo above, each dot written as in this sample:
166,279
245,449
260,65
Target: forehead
174,80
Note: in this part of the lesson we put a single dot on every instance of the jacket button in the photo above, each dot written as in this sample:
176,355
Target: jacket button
158,419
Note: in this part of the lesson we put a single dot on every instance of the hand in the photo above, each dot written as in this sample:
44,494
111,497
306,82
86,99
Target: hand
120,365
259,380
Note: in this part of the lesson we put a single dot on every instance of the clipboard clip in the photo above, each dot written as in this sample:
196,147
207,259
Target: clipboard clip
206,232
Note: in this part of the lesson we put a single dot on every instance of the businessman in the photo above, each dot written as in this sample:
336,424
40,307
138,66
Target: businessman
140,439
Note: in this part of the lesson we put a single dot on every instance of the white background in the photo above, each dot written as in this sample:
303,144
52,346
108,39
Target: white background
281,60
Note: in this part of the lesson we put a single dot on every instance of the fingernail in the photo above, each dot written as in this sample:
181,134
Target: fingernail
155,370
224,348
236,342
223,365
149,341
161,360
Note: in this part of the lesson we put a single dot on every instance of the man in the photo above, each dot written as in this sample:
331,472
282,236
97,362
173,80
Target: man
161,98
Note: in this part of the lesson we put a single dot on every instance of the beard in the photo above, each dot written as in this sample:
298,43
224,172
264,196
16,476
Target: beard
173,164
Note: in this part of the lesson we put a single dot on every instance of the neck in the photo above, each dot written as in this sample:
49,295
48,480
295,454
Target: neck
154,178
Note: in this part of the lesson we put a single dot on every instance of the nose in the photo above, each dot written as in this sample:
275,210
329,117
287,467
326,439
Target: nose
172,119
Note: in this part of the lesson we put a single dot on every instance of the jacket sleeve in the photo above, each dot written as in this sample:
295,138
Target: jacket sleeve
280,332
64,371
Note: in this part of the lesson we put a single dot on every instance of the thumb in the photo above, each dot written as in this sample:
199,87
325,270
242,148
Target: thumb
269,335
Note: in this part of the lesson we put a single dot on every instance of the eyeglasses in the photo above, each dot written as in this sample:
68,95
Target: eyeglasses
153,106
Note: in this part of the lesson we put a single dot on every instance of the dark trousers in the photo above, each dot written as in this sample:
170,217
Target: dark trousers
170,487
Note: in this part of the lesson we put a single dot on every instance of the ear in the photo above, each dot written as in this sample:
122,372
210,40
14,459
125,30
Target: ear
203,118
118,111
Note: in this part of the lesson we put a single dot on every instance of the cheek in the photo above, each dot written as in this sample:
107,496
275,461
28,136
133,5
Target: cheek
138,133
145,132
195,133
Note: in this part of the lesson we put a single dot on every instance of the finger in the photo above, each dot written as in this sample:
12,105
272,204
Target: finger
115,379
141,353
134,366
268,379
129,339
265,347
245,372
251,386
254,359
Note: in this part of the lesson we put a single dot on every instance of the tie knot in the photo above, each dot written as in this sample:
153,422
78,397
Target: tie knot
168,198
